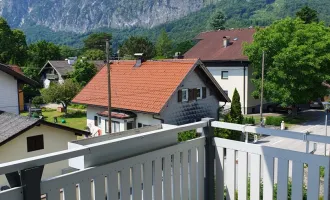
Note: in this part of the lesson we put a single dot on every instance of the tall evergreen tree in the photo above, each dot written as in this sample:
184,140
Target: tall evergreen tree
164,45
236,109
217,21
308,15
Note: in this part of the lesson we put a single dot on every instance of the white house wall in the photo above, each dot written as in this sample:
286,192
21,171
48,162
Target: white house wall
178,113
235,80
8,93
54,140
147,119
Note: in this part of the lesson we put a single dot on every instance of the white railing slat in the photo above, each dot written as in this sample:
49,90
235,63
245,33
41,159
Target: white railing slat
326,181
99,187
125,183
177,176
193,174
158,178
268,177
297,180
12,194
137,188
230,169
282,178
201,167
167,177
70,191
184,184
255,177
219,174
147,180
242,175
112,185
313,180
84,190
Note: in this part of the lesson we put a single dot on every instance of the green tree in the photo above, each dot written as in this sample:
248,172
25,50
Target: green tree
97,41
137,44
308,15
183,47
61,93
164,45
217,21
234,116
67,51
296,63
94,54
83,72
13,45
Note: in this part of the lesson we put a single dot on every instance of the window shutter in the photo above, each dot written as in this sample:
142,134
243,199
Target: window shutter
204,92
195,93
191,94
180,96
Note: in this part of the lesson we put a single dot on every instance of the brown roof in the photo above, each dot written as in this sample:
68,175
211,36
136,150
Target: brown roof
146,88
210,45
16,69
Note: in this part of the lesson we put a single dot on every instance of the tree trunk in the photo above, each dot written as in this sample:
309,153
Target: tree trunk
294,111
65,107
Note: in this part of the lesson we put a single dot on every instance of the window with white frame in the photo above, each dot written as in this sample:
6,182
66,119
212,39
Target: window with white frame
185,95
199,93
115,127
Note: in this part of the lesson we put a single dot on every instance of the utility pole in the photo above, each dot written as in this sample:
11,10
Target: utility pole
262,87
107,46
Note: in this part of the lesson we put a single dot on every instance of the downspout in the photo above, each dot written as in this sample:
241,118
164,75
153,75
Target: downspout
244,93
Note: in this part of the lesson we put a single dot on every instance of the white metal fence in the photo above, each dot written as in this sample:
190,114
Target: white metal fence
180,171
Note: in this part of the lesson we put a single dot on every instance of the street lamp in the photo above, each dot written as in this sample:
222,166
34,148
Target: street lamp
326,106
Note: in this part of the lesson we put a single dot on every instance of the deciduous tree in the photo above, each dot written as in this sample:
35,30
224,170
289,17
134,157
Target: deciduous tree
297,61
164,45
308,15
83,72
61,93
137,44
94,54
97,41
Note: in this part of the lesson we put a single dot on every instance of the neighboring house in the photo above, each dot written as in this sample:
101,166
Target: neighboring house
58,70
23,137
149,93
11,85
222,54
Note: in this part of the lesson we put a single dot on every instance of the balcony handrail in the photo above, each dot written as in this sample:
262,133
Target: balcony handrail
272,132
41,160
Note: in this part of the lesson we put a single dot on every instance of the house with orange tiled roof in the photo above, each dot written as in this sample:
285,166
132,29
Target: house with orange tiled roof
145,93
222,53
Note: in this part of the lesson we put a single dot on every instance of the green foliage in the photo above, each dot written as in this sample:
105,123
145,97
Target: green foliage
274,120
94,54
234,116
217,21
183,47
61,93
97,41
37,101
187,135
308,15
164,45
13,46
249,120
293,50
78,106
67,51
83,72
30,92
137,45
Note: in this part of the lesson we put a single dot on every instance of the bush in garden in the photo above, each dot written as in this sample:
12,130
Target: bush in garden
274,121
187,135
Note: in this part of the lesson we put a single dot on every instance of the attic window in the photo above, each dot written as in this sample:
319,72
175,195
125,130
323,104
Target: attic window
224,75
185,95
35,143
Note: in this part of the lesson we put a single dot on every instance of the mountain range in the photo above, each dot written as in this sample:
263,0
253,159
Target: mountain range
69,21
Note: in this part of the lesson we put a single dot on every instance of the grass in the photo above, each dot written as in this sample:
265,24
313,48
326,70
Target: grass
74,119
289,120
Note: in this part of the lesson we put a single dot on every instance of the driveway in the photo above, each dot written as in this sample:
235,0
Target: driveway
315,126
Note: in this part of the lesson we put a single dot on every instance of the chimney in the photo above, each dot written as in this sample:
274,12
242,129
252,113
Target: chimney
139,59
226,41
178,55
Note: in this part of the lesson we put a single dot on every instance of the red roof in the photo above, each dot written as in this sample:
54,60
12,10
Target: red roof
210,47
16,69
146,88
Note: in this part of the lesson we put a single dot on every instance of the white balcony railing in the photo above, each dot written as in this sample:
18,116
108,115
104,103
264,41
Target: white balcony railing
154,166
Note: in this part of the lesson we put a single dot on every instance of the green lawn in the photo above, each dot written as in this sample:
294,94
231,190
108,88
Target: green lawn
74,119
289,120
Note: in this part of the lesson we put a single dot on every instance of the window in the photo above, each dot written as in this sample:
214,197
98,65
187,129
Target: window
35,143
106,126
199,93
115,127
100,121
224,75
130,125
226,91
185,95
96,121
139,125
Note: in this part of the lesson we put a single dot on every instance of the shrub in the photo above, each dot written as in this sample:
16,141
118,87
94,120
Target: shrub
187,135
78,106
274,121
37,101
249,120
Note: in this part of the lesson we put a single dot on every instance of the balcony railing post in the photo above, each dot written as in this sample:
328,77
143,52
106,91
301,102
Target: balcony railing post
209,183
31,179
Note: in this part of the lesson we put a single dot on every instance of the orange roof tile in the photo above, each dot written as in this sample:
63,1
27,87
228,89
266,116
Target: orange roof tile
146,88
